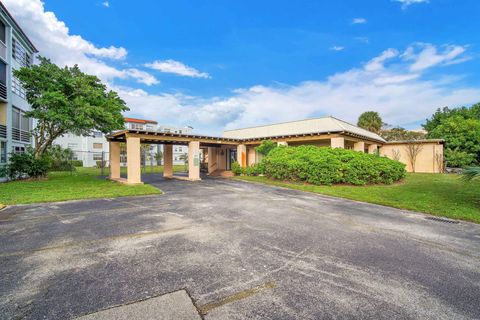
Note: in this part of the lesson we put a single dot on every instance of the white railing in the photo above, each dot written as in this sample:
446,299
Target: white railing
3,51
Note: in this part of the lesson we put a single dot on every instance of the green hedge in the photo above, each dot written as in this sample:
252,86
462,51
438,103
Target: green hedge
331,166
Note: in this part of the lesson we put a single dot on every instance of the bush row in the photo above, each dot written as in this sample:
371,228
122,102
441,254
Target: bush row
328,166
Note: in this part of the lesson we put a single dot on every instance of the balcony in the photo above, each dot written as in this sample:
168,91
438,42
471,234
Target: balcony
3,91
20,135
3,51
3,131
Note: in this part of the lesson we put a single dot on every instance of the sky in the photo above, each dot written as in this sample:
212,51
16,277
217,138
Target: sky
217,65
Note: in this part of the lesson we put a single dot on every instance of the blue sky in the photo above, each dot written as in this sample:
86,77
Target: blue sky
226,64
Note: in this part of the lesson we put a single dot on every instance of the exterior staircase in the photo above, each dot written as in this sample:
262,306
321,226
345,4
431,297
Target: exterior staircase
221,174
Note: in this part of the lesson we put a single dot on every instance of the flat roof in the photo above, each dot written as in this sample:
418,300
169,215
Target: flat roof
323,125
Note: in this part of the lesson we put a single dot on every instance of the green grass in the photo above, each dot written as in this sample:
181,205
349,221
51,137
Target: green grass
81,184
438,194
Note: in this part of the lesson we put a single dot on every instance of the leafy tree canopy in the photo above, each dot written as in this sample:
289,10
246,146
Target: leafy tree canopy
442,114
401,134
460,128
67,100
370,121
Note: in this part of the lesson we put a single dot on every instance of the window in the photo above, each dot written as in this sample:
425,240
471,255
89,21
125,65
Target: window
20,126
20,54
72,146
3,151
2,32
19,149
180,131
17,88
97,146
136,126
97,156
97,134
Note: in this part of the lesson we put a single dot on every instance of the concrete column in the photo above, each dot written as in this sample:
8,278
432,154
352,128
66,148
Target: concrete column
194,160
168,160
114,160
242,155
338,142
133,161
359,146
282,143
212,159
372,148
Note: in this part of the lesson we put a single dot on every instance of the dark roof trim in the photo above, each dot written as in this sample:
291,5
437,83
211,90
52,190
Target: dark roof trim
19,28
180,135
439,141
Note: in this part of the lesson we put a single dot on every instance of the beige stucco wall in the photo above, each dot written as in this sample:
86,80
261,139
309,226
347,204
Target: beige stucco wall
427,160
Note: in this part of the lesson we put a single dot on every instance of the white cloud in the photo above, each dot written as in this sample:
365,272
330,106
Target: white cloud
426,56
106,4
386,84
337,48
359,21
176,67
141,76
377,63
406,3
53,39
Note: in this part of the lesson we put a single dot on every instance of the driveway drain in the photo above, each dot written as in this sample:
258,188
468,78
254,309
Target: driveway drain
442,220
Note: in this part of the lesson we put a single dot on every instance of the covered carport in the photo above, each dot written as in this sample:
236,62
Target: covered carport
134,138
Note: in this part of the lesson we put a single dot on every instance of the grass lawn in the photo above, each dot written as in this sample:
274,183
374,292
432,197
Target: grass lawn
438,194
81,184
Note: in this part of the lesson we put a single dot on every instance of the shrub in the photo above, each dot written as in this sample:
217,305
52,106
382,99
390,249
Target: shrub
60,158
26,165
77,163
236,168
331,166
254,170
266,147
458,159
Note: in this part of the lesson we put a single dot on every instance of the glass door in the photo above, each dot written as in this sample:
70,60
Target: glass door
232,157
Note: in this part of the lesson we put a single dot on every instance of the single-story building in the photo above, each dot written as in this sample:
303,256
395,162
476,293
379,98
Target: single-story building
239,145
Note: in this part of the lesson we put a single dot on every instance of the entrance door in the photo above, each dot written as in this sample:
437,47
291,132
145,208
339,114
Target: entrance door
232,157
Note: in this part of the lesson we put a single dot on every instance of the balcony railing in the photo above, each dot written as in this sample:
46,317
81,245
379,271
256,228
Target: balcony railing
20,135
3,91
3,131
3,51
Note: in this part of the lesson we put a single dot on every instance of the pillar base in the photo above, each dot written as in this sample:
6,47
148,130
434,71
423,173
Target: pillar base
125,181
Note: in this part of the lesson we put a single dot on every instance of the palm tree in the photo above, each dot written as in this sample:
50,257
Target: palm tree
471,173
370,121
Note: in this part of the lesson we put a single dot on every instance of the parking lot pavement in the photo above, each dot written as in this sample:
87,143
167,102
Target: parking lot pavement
239,250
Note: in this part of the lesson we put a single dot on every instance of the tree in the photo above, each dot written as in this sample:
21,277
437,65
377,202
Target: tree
265,147
67,100
462,137
401,134
370,121
413,150
159,157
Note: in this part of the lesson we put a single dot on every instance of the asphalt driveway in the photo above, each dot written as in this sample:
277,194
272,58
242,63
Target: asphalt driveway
240,251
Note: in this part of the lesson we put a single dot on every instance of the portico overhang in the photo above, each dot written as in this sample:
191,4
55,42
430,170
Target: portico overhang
154,137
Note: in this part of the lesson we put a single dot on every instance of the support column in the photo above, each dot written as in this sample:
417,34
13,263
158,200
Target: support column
338,142
359,146
372,148
167,160
133,161
212,159
114,160
194,160
242,155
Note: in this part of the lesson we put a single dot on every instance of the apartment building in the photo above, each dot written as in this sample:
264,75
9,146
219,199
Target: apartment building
93,148
16,51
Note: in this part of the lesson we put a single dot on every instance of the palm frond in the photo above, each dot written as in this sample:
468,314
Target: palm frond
471,173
